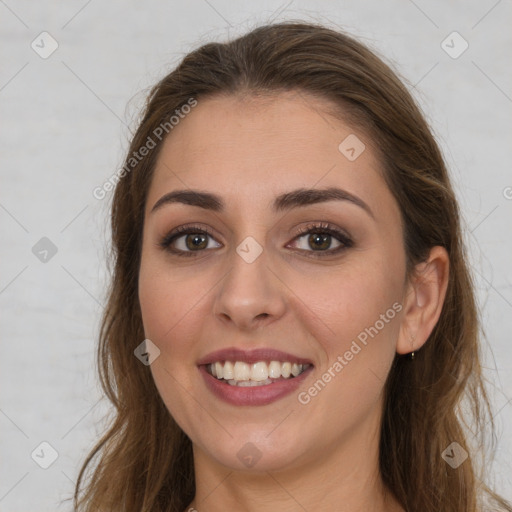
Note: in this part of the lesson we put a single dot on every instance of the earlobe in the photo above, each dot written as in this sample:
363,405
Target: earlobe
423,302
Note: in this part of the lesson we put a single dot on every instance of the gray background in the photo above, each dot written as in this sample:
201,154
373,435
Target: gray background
65,126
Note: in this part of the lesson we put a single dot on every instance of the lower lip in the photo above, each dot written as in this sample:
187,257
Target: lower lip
255,395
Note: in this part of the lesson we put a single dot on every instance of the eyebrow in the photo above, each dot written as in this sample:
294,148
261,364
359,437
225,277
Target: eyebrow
283,202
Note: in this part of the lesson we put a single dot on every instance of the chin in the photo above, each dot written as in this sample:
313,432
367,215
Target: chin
257,454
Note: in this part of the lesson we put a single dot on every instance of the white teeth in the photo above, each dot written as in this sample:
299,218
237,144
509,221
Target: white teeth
228,371
259,371
274,369
219,371
248,383
239,373
242,371
296,369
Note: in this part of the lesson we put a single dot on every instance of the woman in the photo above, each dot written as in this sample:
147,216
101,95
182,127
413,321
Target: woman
287,244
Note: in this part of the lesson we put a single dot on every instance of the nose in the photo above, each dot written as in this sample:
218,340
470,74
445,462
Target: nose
250,295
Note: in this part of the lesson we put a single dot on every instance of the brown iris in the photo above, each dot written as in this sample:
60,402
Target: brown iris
196,242
315,238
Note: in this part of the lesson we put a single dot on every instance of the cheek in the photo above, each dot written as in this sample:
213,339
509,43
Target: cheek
355,315
171,311
176,306
350,299
358,311
167,296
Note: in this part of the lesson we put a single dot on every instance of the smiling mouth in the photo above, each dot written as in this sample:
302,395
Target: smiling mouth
261,373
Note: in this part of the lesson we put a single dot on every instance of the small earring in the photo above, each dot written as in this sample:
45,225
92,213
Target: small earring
411,355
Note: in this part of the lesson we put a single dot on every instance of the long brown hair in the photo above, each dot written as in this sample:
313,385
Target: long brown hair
144,460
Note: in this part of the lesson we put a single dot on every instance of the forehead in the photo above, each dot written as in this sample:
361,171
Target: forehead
249,148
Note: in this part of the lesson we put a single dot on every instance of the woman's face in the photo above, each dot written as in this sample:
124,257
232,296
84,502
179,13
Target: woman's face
285,274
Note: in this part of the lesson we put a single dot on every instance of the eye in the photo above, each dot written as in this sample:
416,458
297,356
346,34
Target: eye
187,240
319,237
191,240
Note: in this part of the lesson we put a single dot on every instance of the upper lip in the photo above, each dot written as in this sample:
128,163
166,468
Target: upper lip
251,356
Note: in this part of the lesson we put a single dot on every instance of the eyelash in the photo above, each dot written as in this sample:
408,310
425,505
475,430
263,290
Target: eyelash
312,228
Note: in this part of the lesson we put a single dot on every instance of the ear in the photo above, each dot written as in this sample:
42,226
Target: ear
423,301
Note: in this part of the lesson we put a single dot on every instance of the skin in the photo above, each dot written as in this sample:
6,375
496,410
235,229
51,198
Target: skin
322,455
